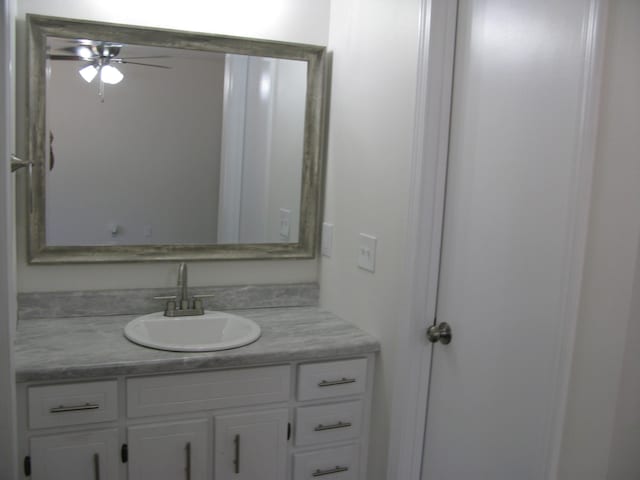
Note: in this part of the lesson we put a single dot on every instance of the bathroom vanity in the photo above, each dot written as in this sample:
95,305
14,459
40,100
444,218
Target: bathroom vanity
295,404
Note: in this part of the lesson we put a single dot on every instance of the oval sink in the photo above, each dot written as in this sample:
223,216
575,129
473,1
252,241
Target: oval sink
200,333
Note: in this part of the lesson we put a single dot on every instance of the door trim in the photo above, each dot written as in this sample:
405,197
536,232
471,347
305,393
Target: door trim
427,193
426,209
584,155
8,429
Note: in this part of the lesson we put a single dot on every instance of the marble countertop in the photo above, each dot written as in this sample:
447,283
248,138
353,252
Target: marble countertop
89,347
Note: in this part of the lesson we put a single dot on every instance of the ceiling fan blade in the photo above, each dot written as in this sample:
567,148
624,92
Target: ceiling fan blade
68,49
73,49
143,64
148,56
68,57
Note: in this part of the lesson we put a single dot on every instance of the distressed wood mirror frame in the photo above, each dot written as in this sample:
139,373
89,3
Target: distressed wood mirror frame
42,27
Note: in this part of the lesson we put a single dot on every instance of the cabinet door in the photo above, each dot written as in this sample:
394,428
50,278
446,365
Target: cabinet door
251,446
82,456
169,451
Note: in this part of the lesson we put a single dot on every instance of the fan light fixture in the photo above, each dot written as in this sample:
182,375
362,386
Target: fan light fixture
108,74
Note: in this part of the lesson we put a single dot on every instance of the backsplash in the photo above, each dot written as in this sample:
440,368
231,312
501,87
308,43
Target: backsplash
34,305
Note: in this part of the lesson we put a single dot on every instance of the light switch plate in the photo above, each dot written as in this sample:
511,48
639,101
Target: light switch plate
327,239
367,252
285,224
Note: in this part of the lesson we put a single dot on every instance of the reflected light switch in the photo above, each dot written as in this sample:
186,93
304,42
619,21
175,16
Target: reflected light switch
285,223
367,252
327,239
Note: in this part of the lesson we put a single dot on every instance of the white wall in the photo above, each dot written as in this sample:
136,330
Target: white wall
304,21
167,121
285,176
256,161
272,148
601,431
369,157
262,148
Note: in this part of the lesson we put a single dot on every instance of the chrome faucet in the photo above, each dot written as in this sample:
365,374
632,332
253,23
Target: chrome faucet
183,288
183,305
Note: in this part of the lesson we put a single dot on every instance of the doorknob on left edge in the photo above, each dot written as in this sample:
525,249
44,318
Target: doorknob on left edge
17,163
439,333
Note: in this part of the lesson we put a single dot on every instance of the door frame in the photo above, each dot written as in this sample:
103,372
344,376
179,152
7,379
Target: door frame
427,193
426,209
8,429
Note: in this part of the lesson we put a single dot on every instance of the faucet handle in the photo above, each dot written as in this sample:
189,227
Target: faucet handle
197,300
171,304
204,295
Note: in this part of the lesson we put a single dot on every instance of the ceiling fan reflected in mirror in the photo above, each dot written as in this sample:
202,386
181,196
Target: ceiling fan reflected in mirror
101,59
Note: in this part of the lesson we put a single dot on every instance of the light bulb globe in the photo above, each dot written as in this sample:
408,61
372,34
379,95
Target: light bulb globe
111,75
88,73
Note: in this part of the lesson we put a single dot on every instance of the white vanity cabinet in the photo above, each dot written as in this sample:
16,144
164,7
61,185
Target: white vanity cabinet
169,451
296,421
91,455
251,445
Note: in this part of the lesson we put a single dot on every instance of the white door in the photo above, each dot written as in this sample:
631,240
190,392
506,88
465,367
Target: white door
169,451
75,456
251,446
512,219
7,261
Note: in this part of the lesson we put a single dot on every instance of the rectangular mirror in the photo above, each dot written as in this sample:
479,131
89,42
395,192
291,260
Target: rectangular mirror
152,145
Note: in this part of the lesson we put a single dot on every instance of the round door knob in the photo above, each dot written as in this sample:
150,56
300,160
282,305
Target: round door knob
439,333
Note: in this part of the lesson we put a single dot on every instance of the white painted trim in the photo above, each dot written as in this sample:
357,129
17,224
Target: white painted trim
232,150
427,193
8,436
594,32
256,161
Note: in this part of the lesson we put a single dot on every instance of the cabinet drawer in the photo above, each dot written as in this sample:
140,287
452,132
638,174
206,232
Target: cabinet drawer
332,379
328,423
72,404
330,464
190,392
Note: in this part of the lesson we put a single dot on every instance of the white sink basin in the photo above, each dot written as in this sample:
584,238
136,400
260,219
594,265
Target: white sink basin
201,333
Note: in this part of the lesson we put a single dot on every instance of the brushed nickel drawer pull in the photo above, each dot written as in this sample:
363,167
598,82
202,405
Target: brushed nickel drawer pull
96,466
74,408
187,469
337,469
333,426
331,383
236,459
